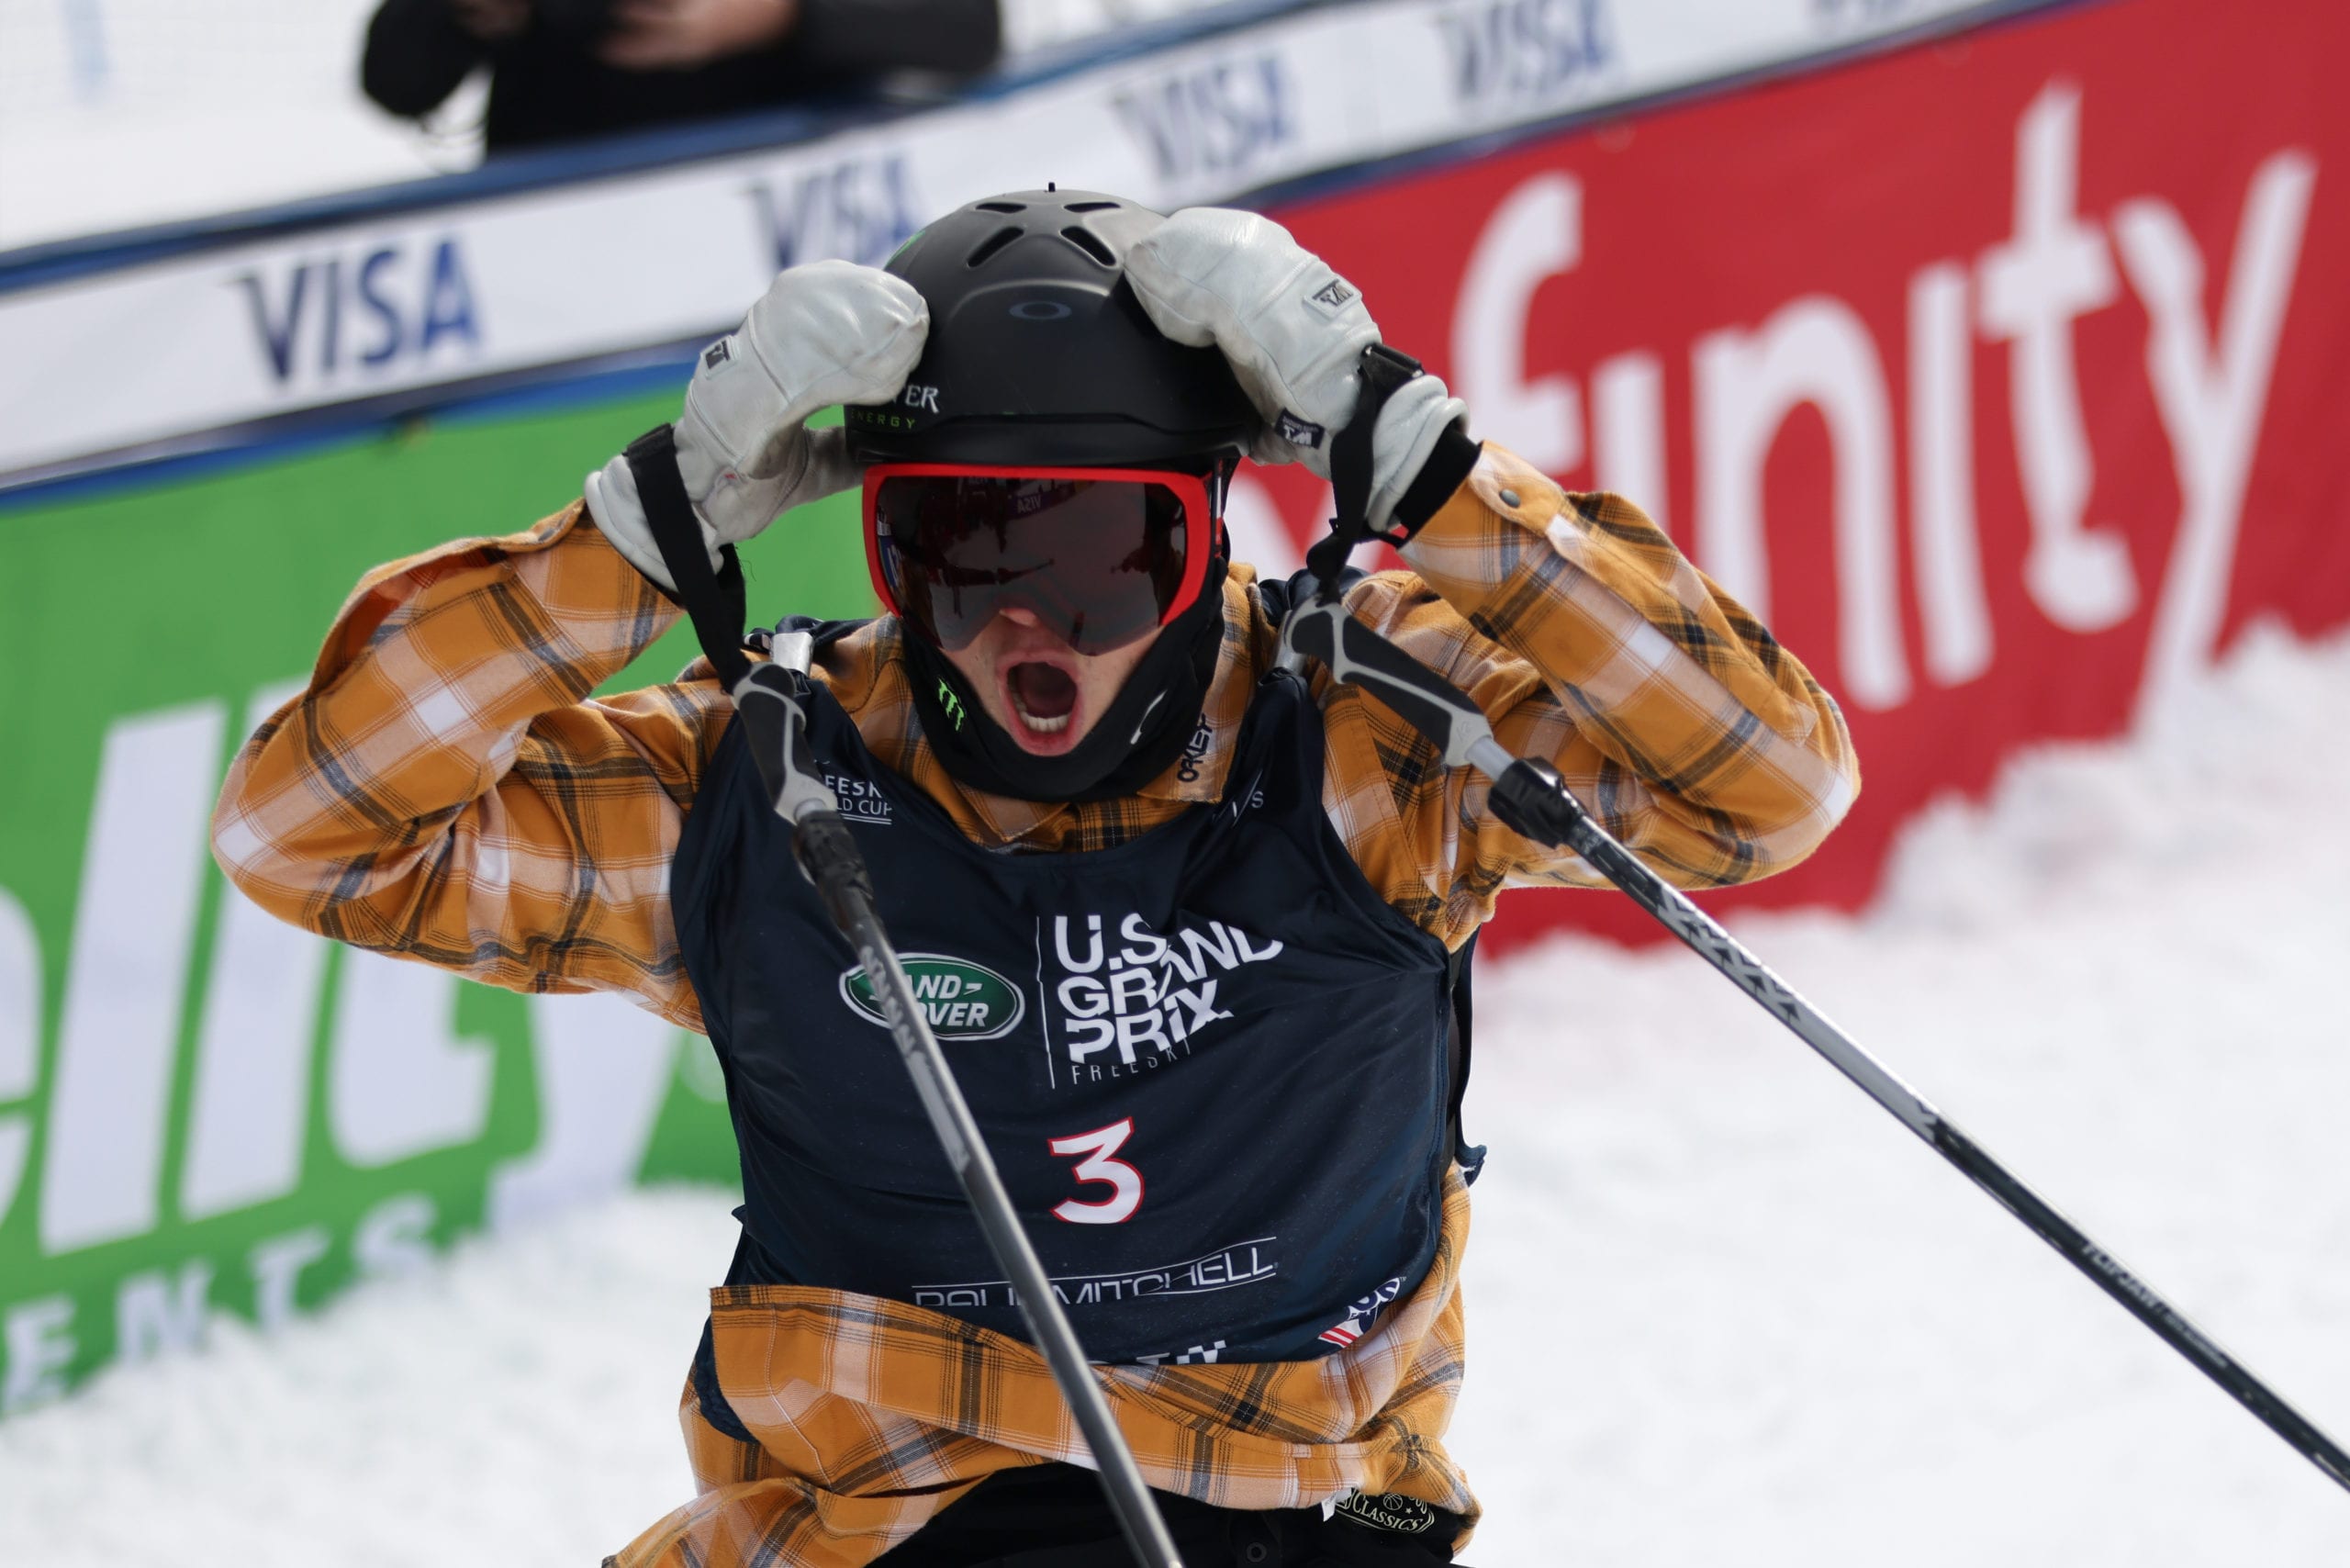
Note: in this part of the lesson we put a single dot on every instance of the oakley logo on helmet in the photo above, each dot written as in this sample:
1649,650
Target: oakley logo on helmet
1333,295
915,397
1297,432
1041,311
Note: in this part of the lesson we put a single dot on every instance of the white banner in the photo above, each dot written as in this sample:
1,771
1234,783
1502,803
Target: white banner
163,351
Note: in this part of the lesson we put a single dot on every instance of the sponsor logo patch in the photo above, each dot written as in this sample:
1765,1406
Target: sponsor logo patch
860,800
1388,1511
963,1001
1357,1322
951,703
717,353
1234,1267
1297,432
1333,293
1120,998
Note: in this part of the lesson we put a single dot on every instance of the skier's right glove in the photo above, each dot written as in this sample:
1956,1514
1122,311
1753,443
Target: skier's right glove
826,334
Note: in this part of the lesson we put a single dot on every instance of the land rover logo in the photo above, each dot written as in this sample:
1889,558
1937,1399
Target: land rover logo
963,1001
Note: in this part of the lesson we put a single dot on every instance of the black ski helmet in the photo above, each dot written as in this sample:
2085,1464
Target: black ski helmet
1040,354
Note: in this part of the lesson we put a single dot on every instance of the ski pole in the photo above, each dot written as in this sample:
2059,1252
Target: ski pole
768,701
1529,796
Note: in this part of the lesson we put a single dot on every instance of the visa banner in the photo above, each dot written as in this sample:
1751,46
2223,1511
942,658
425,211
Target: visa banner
432,292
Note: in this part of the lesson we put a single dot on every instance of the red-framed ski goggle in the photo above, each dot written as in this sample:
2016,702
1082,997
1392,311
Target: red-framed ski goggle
1101,556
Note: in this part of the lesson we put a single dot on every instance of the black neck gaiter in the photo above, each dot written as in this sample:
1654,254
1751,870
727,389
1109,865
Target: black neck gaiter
1134,740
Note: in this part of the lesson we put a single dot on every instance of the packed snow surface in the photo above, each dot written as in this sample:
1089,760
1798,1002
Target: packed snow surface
1725,1311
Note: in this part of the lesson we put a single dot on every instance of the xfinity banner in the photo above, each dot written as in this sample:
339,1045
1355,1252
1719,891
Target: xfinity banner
2005,393
151,356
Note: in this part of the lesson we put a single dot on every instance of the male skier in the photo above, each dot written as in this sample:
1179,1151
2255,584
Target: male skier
1189,924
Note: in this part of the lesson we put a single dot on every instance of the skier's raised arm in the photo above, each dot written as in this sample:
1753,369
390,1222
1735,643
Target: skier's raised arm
1582,633
445,789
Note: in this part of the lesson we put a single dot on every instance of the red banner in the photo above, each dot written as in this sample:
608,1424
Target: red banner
2008,378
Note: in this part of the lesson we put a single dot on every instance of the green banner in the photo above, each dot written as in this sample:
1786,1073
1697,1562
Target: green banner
201,1109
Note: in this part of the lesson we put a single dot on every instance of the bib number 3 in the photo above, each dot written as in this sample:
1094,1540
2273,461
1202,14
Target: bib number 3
1097,1169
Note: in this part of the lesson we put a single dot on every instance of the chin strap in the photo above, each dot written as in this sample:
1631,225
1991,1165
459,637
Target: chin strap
1382,373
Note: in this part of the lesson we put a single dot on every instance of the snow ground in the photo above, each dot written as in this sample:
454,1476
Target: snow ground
1725,1310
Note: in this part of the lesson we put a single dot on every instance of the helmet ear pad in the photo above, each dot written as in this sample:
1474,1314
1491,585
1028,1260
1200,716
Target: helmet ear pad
1039,352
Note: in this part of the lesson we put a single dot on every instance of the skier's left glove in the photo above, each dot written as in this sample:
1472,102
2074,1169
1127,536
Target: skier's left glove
1293,332
829,332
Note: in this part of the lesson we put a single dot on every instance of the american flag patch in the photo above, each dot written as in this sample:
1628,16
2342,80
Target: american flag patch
1343,1334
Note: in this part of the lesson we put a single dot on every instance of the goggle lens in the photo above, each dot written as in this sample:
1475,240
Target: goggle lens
1099,556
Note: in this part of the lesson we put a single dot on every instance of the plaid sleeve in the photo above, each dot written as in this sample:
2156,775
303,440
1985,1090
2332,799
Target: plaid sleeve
446,791
1591,642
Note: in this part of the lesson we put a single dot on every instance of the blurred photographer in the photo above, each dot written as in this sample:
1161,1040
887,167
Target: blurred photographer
562,70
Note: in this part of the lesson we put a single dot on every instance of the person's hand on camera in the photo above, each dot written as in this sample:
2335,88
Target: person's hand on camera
491,21
827,333
1293,332
680,35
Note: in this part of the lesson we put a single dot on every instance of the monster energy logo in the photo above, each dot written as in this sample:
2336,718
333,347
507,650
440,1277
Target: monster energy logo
950,702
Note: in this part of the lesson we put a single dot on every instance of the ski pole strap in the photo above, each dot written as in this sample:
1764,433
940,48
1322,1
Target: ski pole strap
713,599
1380,374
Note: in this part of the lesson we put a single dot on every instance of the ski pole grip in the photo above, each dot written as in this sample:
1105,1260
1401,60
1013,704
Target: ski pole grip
826,846
1321,629
769,705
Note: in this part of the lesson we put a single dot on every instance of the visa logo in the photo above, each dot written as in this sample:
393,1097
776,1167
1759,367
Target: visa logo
1511,51
1217,120
859,210
363,310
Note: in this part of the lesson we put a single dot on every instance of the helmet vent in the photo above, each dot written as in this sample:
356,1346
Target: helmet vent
1093,205
1090,243
1003,206
991,244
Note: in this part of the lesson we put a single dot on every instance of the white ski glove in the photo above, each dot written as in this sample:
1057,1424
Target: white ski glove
1293,332
829,332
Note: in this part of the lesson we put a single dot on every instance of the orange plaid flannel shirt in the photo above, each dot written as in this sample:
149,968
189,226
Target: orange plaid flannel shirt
446,791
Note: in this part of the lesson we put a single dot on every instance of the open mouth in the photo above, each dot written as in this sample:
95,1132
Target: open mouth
1044,696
